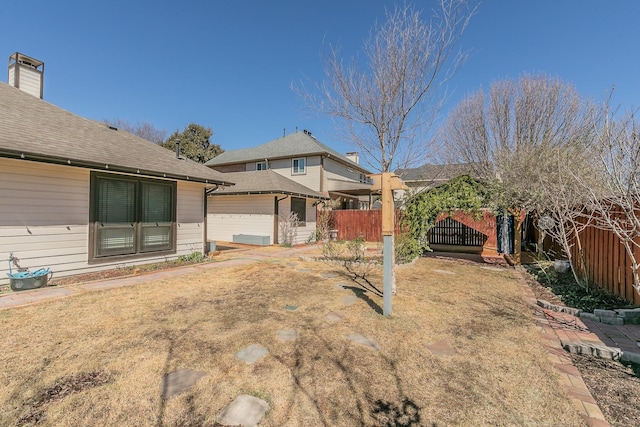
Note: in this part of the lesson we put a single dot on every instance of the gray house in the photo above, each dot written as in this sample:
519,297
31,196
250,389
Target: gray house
79,196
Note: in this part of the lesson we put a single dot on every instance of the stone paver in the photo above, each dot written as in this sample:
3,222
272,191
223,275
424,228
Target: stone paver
442,348
245,410
557,329
179,381
334,316
252,354
328,275
362,340
290,307
287,334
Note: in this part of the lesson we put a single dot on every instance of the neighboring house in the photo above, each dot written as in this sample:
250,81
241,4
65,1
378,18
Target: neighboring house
252,211
300,157
428,176
79,196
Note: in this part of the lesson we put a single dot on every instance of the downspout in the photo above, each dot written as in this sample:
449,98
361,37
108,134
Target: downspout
205,241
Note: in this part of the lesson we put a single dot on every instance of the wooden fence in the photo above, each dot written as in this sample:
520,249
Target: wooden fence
352,224
606,262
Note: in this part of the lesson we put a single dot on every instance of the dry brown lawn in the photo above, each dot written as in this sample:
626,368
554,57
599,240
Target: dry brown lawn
99,358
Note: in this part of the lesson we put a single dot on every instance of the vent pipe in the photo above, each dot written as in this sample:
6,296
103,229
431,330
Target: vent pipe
177,148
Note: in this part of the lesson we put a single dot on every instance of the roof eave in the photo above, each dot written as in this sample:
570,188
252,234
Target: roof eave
21,155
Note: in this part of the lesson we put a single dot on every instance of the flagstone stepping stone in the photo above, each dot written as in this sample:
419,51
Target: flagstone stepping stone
179,381
362,340
334,316
328,275
492,268
349,300
304,270
246,411
442,348
292,264
340,286
290,307
443,271
287,334
252,353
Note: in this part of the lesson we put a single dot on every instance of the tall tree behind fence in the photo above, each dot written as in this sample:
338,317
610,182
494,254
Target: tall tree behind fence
607,264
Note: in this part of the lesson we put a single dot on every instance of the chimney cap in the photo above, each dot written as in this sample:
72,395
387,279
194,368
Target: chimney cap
26,60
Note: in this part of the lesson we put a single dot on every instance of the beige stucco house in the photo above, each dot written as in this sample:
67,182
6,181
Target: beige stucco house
79,196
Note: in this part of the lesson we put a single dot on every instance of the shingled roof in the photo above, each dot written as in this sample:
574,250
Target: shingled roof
33,129
435,173
265,182
292,145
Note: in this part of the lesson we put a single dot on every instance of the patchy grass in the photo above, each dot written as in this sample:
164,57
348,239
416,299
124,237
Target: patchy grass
564,286
111,350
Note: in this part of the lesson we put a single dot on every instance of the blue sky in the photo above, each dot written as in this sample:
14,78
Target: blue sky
229,64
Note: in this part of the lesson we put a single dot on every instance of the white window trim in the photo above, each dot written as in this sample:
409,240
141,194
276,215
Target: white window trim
304,169
266,166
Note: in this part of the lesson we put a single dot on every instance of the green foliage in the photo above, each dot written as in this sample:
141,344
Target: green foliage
422,209
406,248
571,293
193,257
194,143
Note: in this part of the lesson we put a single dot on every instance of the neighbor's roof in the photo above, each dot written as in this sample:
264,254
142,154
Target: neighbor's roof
265,182
33,129
435,173
292,145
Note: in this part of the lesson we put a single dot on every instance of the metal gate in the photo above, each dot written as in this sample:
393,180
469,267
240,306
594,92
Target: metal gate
451,232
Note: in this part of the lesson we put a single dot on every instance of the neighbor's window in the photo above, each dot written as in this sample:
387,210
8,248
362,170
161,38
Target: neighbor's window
299,207
261,166
298,166
131,216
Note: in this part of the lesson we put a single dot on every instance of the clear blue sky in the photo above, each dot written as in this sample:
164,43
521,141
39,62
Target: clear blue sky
229,64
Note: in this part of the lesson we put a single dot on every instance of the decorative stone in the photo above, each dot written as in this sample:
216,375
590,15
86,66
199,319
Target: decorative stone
605,313
600,351
252,353
292,264
287,334
304,270
290,307
362,340
246,411
179,381
328,275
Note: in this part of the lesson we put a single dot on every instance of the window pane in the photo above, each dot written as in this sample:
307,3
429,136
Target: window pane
116,201
156,237
298,166
298,206
115,240
156,202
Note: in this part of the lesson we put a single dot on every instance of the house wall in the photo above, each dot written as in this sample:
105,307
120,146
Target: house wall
311,179
234,214
337,170
44,219
303,231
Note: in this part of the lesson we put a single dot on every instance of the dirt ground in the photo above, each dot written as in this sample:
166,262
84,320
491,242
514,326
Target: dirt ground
451,354
613,385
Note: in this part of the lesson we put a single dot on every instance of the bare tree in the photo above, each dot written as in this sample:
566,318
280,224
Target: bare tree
512,139
387,103
617,206
144,130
